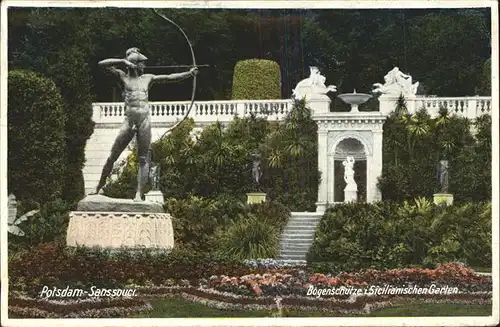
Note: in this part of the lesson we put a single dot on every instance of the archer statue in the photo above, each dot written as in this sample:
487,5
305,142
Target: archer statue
137,121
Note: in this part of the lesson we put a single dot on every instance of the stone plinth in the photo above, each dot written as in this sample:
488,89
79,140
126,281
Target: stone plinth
154,196
115,223
443,198
350,196
106,204
256,197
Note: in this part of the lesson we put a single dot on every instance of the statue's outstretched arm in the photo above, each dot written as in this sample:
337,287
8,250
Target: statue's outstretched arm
175,77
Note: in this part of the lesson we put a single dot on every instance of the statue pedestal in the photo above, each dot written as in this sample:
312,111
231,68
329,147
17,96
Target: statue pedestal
443,198
350,196
256,197
115,223
154,196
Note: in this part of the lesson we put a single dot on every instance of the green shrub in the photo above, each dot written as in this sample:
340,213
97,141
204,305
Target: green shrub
36,142
249,238
199,222
391,235
256,79
196,220
50,224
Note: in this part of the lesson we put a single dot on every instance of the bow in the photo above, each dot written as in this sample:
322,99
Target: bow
194,77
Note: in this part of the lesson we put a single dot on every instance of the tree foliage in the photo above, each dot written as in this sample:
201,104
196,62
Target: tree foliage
58,45
414,145
36,143
442,49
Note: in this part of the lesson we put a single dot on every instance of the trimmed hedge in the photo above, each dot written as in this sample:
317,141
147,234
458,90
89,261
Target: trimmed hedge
36,143
256,79
390,235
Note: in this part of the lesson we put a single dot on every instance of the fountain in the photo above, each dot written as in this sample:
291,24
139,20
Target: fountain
354,99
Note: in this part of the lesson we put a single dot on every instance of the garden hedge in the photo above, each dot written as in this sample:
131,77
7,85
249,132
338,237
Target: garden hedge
36,143
256,79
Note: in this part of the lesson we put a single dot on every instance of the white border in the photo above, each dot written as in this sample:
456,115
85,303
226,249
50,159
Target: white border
315,4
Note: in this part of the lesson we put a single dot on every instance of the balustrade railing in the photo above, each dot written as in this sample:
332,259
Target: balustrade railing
470,107
224,111
202,111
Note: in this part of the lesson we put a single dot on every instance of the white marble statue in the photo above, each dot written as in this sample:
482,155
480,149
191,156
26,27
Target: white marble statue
396,83
313,86
349,174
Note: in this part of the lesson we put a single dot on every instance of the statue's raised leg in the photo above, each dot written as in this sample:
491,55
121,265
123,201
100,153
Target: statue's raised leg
122,140
143,145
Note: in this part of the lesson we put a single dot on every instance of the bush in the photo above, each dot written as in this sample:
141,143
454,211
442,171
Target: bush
48,225
249,238
196,220
36,143
390,235
199,223
256,79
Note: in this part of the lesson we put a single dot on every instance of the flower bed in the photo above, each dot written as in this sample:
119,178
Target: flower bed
28,307
298,282
279,289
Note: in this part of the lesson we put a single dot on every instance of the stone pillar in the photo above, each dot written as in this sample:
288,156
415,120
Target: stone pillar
388,102
319,104
331,179
374,168
322,167
369,179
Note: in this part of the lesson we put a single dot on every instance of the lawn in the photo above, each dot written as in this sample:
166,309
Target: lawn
179,308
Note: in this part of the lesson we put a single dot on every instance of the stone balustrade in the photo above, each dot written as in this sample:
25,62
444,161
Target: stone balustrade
202,111
206,112
470,107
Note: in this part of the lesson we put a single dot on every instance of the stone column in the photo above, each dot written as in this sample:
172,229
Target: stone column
374,168
319,103
369,179
322,166
388,102
331,179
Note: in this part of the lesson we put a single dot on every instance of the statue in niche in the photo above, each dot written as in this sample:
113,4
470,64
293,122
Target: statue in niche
313,85
396,83
349,174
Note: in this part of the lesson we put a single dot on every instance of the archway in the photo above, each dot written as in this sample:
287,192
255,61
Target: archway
352,147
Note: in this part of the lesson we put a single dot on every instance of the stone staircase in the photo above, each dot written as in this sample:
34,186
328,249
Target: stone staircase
298,235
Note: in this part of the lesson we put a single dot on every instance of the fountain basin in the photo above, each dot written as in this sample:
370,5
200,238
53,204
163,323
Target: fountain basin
354,98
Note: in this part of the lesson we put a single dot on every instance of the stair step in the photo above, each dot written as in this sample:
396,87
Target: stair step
297,236
297,226
298,232
293,247
293,256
